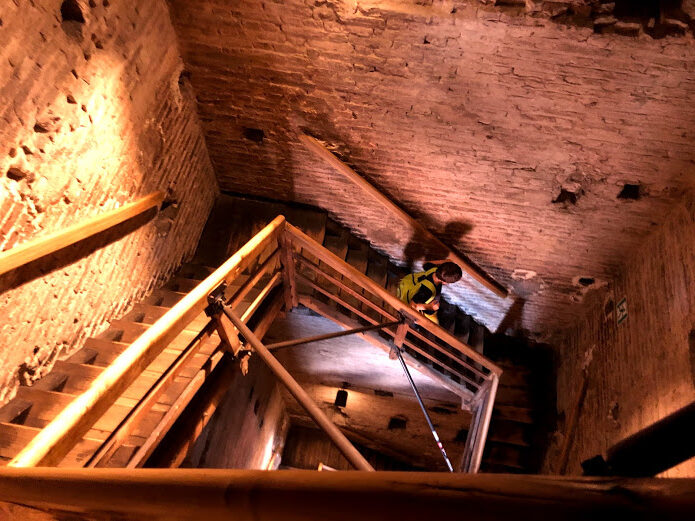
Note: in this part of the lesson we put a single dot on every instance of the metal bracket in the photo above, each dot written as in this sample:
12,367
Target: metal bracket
216,301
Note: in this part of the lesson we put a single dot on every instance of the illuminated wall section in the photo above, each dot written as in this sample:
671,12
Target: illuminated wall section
96,111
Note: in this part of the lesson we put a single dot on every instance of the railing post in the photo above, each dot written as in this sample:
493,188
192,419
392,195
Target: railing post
288,269
486,406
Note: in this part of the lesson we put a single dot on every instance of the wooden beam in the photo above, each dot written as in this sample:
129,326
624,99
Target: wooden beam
42,246
343,444
58,437
471,269
328,336
288,270
294,495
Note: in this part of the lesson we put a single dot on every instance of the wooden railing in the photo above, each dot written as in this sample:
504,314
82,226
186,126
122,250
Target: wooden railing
309,274
333,288
57,438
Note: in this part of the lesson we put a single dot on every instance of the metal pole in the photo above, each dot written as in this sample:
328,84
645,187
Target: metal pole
343,444
327,336
424,410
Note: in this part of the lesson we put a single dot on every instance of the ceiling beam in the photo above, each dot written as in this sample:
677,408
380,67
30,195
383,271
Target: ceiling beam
476,272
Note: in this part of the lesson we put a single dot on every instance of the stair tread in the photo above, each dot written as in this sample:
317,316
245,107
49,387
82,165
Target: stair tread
13,438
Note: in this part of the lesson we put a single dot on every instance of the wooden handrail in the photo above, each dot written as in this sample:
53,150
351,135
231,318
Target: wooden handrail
299,239
471,269
42,246
55,440
294,495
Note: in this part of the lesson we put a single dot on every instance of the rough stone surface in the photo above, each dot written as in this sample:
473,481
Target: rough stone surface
93,115
472,120
643,367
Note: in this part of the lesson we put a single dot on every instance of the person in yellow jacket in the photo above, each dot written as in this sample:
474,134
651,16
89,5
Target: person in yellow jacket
423,289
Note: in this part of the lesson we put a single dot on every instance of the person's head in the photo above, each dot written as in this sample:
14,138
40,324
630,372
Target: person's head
449,272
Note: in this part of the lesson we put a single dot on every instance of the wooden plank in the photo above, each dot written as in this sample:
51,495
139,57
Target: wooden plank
56,440
288,269
42,246
471,269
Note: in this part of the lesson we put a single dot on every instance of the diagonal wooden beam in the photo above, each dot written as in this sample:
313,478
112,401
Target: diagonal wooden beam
476,272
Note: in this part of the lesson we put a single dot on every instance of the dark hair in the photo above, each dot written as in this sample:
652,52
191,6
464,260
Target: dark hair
449,272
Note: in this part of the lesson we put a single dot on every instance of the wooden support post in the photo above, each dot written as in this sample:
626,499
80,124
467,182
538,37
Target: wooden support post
471,269
401,331
348,450
41,246
288,270
227,333
486,414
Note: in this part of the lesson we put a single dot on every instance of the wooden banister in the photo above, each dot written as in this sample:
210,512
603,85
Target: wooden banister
41,246
471,269
302,240
294,495
55,440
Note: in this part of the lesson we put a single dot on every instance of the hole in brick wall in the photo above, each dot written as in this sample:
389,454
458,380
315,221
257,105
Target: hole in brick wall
92,3
691,344
567,196
184,77
644,9
256,406
425,41
586,281
397,423
70,11
631,191
17,174
106,3
441,410
379,392
139,317
461,436
40,128
341,398
71,99
116,336
159,301
254,134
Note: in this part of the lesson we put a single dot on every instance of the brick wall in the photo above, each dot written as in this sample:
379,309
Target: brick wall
473,119
642,368
94,114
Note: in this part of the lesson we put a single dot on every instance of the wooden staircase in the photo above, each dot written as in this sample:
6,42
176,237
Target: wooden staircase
128,432
132,427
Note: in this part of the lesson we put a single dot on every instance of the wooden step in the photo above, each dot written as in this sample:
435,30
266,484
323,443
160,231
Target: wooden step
148,314
163,297
13,438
